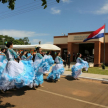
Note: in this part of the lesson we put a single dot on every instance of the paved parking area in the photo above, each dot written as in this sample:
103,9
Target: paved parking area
66,93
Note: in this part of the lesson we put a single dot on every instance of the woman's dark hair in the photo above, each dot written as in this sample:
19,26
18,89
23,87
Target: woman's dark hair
22,54
58,53
2,49
78,55
48,53
37,49
8,44
33,57
26,54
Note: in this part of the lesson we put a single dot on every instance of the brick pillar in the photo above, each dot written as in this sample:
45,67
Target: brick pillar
70,49
97,53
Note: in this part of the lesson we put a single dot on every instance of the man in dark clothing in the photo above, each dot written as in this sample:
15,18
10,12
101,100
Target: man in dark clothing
65,58
68,59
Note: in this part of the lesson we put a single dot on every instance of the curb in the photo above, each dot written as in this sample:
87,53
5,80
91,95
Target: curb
89,78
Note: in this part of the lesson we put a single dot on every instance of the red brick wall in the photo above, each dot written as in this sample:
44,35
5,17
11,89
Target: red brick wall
70,49
75,48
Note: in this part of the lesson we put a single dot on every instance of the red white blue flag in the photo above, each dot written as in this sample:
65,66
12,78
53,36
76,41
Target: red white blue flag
96,34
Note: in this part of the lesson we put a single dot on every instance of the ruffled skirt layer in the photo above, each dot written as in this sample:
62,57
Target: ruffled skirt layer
57,70
48,61
17,75
77,68
2,66
40,67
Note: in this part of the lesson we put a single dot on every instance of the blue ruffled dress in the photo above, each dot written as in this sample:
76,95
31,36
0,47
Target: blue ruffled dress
57,70
14,73
49,62
77,68
40,67
30,73
31,57
3,62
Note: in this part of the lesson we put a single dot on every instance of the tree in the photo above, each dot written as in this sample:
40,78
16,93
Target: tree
24,41
11,3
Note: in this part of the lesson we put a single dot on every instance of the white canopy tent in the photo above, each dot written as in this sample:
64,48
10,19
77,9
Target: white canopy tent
32,47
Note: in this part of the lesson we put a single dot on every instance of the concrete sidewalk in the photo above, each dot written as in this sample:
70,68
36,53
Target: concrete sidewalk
98,77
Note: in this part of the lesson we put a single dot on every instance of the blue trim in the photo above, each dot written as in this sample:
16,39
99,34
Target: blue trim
98,36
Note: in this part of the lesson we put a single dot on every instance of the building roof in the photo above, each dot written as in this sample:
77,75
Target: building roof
87,32
75,33
60,36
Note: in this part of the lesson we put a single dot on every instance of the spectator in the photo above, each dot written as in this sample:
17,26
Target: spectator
68,59
65,58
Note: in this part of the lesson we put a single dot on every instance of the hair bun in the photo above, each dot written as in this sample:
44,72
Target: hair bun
6,43
37,48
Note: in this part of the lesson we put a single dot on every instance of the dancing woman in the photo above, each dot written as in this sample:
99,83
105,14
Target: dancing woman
29,56
14,74
49,61
77,68
57,70
23,56
38,67
3,60
28,64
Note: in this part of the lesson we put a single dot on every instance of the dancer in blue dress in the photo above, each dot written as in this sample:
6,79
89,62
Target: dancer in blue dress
14,74
23,56
77,68
39,67
28,63
49,62
29,56
57,70
3,60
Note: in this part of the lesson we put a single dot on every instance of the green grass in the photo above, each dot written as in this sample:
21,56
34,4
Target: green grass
96,70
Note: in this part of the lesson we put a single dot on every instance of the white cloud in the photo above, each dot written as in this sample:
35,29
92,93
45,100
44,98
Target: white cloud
55,11
100,11
66,1
35,41
103,9
43,41
49,43
20,34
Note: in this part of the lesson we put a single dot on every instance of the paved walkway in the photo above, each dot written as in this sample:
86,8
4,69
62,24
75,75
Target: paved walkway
90,76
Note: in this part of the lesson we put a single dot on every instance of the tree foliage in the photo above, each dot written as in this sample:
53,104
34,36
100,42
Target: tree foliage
24,41
11,3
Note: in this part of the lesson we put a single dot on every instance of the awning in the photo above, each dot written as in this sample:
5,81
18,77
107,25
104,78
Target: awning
32,47
49,47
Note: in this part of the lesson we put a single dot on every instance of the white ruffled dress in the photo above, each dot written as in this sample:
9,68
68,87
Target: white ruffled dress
14,74
77,68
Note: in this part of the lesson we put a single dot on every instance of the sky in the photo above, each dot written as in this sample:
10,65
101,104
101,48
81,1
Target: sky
29,19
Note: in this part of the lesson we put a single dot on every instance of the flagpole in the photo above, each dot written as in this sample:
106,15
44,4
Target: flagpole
104,44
